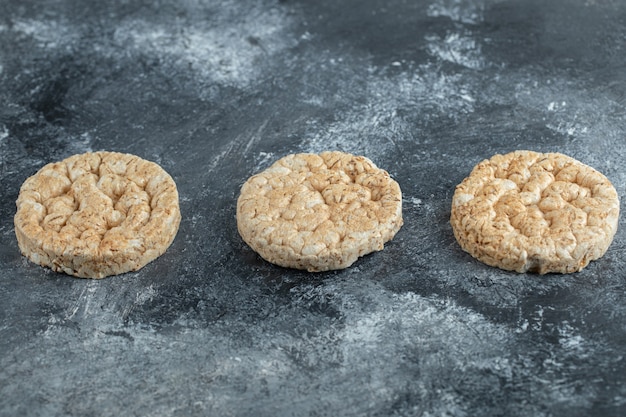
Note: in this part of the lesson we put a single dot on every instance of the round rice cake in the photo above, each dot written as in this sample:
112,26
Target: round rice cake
319,212
534,212
97,214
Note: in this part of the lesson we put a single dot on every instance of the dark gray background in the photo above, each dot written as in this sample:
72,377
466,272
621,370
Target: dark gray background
215,91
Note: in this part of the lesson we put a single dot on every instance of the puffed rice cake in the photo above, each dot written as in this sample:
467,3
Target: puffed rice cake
535,212
319,212
97,214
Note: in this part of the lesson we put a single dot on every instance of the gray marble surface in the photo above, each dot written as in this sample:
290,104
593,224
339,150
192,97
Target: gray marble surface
215,91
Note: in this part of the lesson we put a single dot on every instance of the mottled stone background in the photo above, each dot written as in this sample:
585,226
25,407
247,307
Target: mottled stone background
214,91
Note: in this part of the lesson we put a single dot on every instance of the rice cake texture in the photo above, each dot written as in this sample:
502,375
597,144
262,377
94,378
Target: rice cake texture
319,212
534,212
97,214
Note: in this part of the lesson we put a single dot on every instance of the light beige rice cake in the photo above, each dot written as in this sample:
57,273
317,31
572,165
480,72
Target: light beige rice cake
533,212
97,214
319,212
